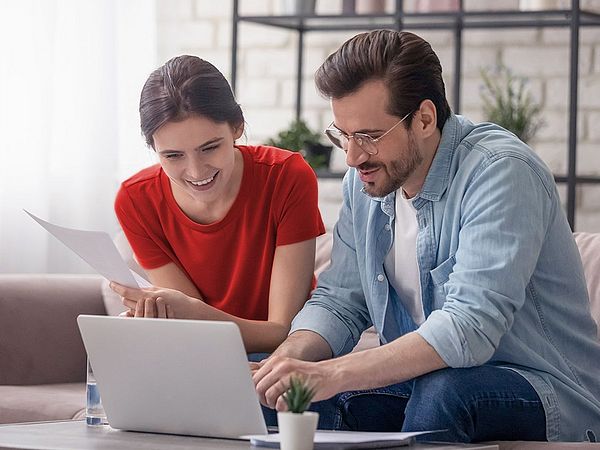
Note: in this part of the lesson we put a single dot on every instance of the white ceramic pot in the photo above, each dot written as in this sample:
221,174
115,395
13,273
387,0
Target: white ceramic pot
297,431
370,6
297,7
540,5
425,6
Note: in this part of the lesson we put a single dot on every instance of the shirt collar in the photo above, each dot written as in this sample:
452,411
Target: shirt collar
438,176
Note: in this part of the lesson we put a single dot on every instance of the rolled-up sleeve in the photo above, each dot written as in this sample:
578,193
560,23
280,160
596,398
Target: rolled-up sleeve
499,245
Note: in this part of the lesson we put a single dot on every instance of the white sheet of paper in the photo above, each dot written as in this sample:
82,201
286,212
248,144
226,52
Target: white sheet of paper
346,437
98,250
141,281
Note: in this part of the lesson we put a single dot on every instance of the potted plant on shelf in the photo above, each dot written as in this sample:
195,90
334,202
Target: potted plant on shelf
300,138
506,102
297,7
297,425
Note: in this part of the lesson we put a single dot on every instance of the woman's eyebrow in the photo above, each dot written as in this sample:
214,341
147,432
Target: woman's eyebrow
199,147
210,142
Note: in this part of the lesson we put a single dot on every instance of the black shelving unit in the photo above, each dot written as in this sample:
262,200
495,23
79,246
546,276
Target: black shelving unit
455,21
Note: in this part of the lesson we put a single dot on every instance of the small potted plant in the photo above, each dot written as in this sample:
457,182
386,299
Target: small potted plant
507,103
300,138
297,425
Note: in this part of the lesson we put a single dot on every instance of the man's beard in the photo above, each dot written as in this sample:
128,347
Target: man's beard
397,171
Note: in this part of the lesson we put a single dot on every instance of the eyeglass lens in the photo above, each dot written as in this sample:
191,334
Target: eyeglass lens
341,140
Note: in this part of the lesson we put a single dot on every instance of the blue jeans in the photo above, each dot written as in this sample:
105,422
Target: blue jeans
257,357
473,404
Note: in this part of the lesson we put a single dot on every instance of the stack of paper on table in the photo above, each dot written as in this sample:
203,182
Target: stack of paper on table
346,439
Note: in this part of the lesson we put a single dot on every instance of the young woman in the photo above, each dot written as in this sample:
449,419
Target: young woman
224,231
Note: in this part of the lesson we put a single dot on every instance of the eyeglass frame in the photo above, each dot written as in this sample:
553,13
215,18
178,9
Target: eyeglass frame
364,136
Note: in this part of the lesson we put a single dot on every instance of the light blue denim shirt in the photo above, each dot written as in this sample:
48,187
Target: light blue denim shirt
501,277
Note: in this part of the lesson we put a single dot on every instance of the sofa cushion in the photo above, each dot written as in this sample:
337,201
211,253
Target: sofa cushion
42,402
39,339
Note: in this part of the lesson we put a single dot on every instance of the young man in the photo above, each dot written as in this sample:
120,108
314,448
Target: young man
452,242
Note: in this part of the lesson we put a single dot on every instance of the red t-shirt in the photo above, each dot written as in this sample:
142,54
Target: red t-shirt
229,261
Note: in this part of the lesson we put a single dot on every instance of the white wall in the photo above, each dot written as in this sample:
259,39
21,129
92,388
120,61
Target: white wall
266,70
70,79
77,190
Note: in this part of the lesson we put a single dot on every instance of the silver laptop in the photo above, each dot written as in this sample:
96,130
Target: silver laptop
187,377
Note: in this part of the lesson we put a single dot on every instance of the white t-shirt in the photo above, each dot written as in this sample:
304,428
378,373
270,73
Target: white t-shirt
401,262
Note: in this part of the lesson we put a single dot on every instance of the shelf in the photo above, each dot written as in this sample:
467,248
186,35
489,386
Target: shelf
573,19
578,180
327,174
559,179
426,21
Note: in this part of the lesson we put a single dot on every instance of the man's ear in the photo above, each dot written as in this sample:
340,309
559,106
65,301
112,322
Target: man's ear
426,119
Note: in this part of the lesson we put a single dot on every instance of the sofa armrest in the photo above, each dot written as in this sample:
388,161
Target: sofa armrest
39,338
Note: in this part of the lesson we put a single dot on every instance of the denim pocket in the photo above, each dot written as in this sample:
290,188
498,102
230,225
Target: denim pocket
440,274
439,277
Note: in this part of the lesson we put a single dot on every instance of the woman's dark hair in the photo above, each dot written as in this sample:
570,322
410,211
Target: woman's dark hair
405,62
184,86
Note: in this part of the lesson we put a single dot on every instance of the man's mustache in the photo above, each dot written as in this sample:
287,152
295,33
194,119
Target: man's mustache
369,166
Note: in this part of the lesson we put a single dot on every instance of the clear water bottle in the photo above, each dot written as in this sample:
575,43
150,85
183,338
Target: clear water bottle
94,412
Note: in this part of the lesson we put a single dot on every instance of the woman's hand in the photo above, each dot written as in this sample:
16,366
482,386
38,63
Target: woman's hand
159,302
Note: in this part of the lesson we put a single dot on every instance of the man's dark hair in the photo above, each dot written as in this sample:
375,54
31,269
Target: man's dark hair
184,86
403,61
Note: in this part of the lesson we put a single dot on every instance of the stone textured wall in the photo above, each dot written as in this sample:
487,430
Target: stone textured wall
267,67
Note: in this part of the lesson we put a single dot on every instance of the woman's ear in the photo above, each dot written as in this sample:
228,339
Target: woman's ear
238,131
427,118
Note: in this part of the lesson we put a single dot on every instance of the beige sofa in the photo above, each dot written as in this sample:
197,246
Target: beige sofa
42,359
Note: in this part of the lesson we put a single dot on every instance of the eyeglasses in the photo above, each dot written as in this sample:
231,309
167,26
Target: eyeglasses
365,141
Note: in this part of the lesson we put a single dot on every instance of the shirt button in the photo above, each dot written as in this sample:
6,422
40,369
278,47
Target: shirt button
380,277
387,227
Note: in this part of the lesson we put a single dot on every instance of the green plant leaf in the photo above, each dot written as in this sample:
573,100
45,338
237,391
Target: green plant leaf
298,395
295,137
506,102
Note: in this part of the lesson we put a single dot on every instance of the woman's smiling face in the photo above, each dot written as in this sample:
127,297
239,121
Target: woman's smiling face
198,156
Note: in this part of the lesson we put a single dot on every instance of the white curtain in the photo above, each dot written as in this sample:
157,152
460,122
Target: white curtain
70,76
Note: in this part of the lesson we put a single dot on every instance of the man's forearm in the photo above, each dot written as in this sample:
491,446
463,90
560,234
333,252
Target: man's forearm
304,345
403,359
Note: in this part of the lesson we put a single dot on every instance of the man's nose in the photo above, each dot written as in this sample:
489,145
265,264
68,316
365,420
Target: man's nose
355,155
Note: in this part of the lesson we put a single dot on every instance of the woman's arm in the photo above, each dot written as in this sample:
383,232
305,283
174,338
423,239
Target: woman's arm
291,278
172,277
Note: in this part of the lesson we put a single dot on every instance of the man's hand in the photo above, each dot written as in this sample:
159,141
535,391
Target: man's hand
159,302
271,378
403,359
